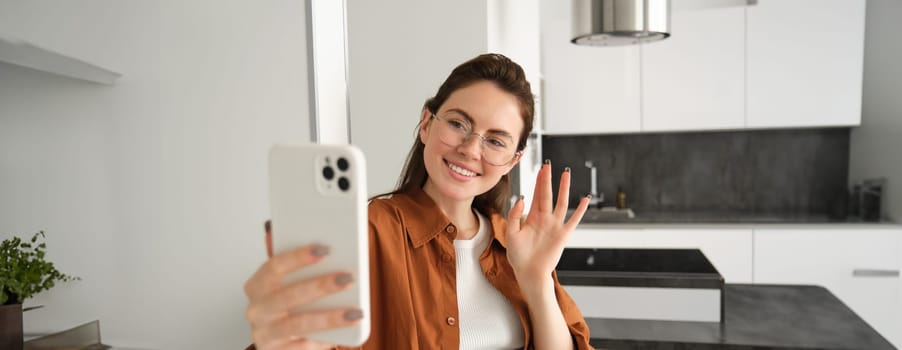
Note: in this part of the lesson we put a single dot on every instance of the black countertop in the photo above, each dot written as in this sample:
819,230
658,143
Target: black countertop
756,317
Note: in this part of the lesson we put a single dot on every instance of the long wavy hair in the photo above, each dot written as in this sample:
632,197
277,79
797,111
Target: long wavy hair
506,75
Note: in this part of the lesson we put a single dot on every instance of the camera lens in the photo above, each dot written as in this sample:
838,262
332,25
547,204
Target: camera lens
343,164
328,173
344,184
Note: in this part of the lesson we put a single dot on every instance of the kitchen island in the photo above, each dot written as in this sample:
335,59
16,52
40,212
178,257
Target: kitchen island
858,263
756,317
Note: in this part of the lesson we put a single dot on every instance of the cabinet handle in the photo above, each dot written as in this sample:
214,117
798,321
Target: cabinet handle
874,273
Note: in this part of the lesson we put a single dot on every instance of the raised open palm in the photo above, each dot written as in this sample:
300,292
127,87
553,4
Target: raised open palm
536,244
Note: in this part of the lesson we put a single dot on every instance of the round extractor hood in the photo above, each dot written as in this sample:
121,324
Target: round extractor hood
620,22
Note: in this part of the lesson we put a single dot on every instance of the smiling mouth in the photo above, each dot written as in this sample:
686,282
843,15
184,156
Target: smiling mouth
461,171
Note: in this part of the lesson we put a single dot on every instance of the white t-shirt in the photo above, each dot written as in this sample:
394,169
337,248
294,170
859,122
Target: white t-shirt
487,319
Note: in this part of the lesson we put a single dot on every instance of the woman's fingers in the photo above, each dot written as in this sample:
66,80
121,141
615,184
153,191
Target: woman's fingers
269,276
267,226
542,200
514,216
278,304
577,214
269,311
299,325
563,196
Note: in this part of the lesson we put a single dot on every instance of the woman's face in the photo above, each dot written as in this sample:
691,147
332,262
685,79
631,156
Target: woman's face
459,172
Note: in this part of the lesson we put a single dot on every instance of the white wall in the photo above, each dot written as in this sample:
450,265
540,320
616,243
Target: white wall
152,190
876,144
400,51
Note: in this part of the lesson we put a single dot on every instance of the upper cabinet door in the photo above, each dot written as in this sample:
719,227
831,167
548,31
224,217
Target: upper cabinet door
805,62
694,80
587,90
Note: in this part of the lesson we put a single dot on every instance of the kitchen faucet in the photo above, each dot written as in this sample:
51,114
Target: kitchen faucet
597,198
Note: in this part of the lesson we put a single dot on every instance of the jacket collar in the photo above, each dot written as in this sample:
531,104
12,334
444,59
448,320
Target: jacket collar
424,221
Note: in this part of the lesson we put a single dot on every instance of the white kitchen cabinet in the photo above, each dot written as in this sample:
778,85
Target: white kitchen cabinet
773,64
694,80
805,63
587,90
728,249
859,266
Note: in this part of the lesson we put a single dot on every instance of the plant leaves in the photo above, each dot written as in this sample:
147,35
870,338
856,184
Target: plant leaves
23,270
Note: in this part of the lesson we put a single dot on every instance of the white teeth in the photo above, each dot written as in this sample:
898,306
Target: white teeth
461,171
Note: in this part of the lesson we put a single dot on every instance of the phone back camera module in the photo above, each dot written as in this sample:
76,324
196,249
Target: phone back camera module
328,173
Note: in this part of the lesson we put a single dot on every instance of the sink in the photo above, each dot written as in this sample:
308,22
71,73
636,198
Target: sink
608,214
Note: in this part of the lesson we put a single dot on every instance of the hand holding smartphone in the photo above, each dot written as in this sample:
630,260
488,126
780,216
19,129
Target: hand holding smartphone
318,198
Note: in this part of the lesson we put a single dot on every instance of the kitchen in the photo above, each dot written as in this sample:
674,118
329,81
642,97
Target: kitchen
136,169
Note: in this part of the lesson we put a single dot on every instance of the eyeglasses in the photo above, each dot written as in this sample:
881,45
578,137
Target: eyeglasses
454,130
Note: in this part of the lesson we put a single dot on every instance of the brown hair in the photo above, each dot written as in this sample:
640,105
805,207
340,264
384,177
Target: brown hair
506,75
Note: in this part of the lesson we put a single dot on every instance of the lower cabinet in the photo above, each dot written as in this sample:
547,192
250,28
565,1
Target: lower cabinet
728,249
858,265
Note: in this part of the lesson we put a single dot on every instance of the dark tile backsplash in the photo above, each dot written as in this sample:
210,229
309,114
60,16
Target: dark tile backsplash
762,171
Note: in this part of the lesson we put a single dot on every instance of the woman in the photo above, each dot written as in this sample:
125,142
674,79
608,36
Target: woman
447,271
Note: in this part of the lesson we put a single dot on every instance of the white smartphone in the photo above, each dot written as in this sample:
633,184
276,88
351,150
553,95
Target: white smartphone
318,195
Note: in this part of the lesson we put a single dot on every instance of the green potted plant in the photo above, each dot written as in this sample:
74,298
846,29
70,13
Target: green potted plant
23,273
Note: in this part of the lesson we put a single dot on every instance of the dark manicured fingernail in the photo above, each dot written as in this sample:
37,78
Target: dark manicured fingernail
566,169
267,225
320,250
547,161
343,279
353,315
589,196
521,197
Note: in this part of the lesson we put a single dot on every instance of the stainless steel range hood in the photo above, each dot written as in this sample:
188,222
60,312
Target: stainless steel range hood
620,22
